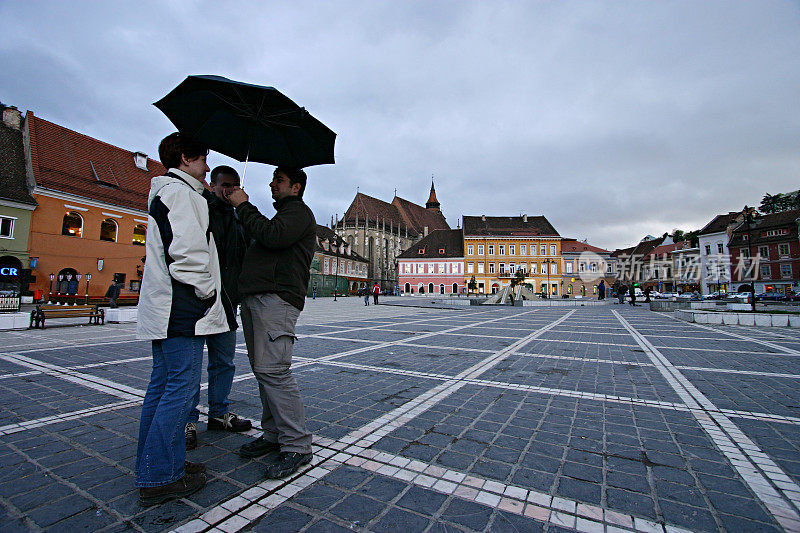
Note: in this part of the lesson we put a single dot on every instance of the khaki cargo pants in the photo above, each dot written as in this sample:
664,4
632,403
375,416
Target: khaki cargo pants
268,323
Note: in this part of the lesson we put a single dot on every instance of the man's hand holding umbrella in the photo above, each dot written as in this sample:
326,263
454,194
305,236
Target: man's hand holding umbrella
236,196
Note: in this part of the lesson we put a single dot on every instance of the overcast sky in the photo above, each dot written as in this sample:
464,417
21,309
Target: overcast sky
612,119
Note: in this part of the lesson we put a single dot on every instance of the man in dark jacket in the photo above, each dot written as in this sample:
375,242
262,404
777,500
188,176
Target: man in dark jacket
229,239
273,286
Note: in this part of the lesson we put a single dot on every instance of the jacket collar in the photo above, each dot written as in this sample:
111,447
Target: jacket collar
192,182
283,201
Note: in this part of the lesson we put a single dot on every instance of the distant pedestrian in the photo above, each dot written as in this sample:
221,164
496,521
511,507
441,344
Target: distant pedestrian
112,294
376,290
647,295
366,296
601,290
621,290
632,295
314,291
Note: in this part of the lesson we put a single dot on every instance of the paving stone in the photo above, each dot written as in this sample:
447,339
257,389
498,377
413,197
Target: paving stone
347,477
319,496
56,510
423,501
397,519
469,514
358,508
282,520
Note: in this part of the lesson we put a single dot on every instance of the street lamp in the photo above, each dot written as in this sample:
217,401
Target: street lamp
88,279
548,262
748,218
52,277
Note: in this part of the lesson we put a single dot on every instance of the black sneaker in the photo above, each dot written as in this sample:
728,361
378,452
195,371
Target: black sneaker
287,463
229,422
258,447
190,435
188,484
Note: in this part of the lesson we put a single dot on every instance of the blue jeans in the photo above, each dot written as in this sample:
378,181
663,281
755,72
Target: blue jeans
221,350
176,375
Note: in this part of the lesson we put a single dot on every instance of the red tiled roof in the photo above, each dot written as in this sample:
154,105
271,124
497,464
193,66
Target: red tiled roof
719,223
449,240
62,160
417,217
366,207
509,226
574,245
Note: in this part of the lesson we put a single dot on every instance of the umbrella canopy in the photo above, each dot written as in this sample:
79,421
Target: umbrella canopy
248,122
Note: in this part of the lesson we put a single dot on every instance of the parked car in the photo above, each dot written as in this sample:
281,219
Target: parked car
716,295
739,296
689,296
667,295
772,296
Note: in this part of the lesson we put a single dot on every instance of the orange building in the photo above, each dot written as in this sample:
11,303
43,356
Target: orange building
90,223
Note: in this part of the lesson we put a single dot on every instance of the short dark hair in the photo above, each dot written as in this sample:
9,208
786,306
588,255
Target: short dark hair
224,170
177,144
295,175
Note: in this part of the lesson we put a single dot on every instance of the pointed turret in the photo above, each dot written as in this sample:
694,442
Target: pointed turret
432,202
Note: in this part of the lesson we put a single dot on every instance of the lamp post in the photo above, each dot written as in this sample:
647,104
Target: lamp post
88,279
748,218
548,262
49,292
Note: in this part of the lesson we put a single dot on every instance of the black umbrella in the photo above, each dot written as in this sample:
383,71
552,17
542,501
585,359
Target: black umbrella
248,122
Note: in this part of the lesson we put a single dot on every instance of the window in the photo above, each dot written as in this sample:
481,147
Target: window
544,268
470,249
581,267
511,268
455,288
543,249
502,268
108,230
512,250
440,268
568,267
777,232
523,250
783,249
719,248
480,268
708,249
470,268
594,267
609,268
139,234
763,251
7,227
553,268
72,224
480,249
502,249
491,249
430,268
765,272
744,252
430,288
786,270
491,268
552,249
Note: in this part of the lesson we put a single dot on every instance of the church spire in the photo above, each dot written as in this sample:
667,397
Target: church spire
432,202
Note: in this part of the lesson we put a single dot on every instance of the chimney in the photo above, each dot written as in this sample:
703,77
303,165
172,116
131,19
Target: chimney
140,160
12,117
524,218
425,231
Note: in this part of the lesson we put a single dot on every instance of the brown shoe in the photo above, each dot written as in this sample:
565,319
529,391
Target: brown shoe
194,468
188,484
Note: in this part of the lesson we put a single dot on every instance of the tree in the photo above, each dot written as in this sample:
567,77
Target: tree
472,286
678,235
775,203
519,277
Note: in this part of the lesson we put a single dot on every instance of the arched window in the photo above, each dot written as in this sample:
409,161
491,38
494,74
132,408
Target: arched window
108,230
441,288
455,288
594,289
430,288
139,234
569,288
407,287
72,225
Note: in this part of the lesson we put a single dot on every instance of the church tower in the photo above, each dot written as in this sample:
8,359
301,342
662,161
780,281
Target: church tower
432,202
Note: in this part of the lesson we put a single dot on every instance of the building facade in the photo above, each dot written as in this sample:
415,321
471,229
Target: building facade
336,266
714,254
434,265
765,253
16,206
495,248
381,231
89,226
584,266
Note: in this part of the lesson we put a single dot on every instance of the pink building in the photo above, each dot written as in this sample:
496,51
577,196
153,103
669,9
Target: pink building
434,265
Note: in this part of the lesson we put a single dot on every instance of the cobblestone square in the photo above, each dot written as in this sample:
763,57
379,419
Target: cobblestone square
589,418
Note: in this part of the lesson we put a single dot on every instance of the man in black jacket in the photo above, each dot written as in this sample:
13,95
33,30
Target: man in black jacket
229,238
273,286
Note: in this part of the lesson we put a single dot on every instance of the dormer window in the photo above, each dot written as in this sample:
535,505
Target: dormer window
421,251
140,160
441,251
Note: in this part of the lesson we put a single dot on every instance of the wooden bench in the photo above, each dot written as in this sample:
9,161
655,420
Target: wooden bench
43,312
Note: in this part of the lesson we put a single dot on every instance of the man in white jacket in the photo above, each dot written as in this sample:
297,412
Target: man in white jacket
179,304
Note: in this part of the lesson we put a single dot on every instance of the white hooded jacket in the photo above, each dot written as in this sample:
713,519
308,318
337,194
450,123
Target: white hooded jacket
181,288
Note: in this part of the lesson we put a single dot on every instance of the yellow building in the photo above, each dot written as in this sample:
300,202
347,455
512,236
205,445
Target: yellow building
495,248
